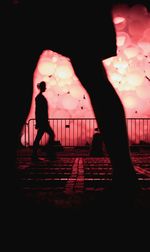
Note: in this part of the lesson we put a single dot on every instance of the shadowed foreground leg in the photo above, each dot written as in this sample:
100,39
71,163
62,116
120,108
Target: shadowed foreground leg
111,120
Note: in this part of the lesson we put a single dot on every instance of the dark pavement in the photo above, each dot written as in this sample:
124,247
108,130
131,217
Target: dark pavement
75,181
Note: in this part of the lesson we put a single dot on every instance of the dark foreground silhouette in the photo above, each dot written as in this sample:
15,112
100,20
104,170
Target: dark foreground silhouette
86,37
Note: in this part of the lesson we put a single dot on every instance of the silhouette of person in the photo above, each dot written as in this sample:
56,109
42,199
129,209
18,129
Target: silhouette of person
87,36
42,124
97,145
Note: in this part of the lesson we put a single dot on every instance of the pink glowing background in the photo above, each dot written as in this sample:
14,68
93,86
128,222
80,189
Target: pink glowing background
129,71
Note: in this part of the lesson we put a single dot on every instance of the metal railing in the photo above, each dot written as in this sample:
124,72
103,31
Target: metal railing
71,132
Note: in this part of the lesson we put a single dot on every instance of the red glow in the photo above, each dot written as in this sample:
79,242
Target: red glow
129,71
118,20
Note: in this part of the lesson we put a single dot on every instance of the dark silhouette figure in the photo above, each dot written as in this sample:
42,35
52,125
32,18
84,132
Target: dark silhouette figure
86,35
42,123
96,149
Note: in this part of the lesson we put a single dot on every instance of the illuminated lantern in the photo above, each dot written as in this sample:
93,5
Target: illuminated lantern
46,67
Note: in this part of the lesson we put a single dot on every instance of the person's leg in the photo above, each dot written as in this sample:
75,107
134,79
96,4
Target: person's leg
50,147
36,142
110,116
51,134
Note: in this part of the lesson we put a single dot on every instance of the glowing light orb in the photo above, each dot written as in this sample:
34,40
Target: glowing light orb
131,52
54,59
46,67
76,91
135,78
64,72
118,20
120,23
115,78
120,64
123,39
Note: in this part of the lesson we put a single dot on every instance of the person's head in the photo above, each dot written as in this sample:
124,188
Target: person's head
41,86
